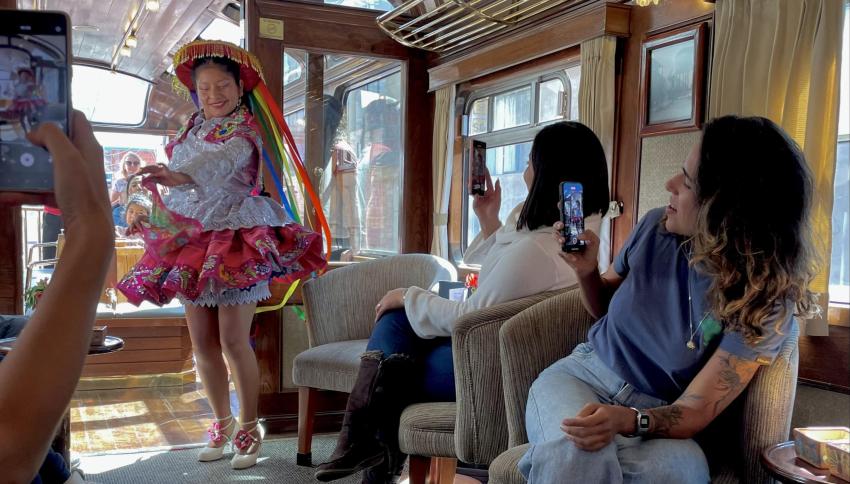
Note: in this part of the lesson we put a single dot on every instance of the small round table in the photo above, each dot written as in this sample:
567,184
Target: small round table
110,344
782,463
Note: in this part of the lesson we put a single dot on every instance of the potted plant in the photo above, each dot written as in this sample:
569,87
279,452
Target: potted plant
33,294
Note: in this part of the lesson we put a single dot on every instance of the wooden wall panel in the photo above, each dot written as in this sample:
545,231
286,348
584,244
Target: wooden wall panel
626,165
824,360
11,264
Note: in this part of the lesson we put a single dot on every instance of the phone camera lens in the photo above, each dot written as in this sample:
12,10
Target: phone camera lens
58,29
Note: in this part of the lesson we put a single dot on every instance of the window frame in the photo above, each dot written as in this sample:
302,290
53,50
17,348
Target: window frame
507,136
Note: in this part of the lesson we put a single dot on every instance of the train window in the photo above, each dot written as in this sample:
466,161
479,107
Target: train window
839,277
124,104
551,103
383,5
478,117
350,137
512,108
507,118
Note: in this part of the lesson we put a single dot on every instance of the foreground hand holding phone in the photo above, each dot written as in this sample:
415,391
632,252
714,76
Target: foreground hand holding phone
38,378
584,262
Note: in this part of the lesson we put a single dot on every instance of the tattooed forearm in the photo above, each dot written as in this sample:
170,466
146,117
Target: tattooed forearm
690,397
731,380
664,419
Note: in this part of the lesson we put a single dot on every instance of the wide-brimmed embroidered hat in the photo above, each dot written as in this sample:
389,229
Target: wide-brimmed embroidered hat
250,72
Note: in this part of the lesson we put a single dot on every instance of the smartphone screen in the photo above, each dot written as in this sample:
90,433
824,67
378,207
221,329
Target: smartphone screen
477,168
572,216
34,88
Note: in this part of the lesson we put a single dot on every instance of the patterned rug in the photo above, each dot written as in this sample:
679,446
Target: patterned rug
276,464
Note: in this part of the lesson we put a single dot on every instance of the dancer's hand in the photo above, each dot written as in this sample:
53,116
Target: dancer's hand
139,223
160,174
392,300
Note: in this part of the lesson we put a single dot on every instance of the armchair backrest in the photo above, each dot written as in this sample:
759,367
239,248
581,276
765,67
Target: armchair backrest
340,305
481,432
531,341
760,417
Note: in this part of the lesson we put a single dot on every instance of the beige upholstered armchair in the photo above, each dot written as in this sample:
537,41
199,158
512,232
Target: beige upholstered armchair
539,336
340,309
472,429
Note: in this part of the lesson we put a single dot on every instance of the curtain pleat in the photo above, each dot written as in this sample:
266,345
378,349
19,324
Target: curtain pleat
780,60
441,170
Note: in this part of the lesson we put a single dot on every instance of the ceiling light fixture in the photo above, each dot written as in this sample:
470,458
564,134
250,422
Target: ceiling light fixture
125,51
86,28
152,5
132,41
645,3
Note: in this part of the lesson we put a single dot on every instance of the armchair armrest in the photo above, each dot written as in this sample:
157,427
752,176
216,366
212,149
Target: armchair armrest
530,342
481,433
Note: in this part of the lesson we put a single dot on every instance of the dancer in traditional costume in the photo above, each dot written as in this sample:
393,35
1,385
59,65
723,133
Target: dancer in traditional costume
213,241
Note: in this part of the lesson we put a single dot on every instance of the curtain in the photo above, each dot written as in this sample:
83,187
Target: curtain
441,169
596,95
783,61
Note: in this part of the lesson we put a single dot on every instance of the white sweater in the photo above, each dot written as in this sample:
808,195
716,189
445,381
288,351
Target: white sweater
514,264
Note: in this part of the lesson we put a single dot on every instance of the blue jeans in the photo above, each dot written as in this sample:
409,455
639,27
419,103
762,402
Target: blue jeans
393,334
560,392
54,469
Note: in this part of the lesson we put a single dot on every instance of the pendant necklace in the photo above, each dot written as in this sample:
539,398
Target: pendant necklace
690,344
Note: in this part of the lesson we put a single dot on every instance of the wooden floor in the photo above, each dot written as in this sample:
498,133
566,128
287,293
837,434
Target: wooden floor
140,418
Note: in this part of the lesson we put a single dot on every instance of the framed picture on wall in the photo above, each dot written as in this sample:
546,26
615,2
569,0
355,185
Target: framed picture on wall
673,80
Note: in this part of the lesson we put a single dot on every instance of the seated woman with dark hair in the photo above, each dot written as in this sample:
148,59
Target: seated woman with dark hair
409,355
702,294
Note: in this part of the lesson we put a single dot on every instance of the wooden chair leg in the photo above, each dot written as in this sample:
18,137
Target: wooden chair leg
445,470
419,469
306,416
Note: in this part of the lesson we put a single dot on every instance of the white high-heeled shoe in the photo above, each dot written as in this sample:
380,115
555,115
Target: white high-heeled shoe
251,445
219,436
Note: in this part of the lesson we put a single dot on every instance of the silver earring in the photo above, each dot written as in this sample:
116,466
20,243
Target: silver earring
239,102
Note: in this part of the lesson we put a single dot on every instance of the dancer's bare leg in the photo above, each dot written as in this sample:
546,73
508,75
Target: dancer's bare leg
203,329
234,325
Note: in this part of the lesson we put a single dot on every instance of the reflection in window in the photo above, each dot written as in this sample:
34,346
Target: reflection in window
295,121
292,70
383,5
512,108
507,164
551,104
478,117
362,178
123,103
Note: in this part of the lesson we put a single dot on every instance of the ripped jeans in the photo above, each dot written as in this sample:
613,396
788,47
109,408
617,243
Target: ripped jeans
560,392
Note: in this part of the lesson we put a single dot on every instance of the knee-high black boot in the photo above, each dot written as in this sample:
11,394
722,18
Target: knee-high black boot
357,447
393,392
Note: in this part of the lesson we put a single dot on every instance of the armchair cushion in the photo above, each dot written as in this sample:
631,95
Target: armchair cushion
504,469
427,429
332,366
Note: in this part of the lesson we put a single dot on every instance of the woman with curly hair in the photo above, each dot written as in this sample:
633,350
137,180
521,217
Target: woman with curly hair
704,292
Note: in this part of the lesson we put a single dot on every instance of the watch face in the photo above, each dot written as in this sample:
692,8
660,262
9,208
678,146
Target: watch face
644,422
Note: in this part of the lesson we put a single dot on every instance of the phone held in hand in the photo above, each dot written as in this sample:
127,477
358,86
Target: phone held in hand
477,168
35,78
572,216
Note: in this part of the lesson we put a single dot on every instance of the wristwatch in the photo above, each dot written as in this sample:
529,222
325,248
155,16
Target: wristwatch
641,423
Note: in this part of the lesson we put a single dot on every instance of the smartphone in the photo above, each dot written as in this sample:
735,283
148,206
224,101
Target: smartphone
572,216
35,79
477,168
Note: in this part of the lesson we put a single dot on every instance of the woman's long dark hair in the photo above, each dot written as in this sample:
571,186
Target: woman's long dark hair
231,67
564,151
753,233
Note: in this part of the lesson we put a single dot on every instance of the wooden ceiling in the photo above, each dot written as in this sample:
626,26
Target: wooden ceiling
159,33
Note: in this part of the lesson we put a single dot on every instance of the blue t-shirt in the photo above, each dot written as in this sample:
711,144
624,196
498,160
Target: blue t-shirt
644,336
